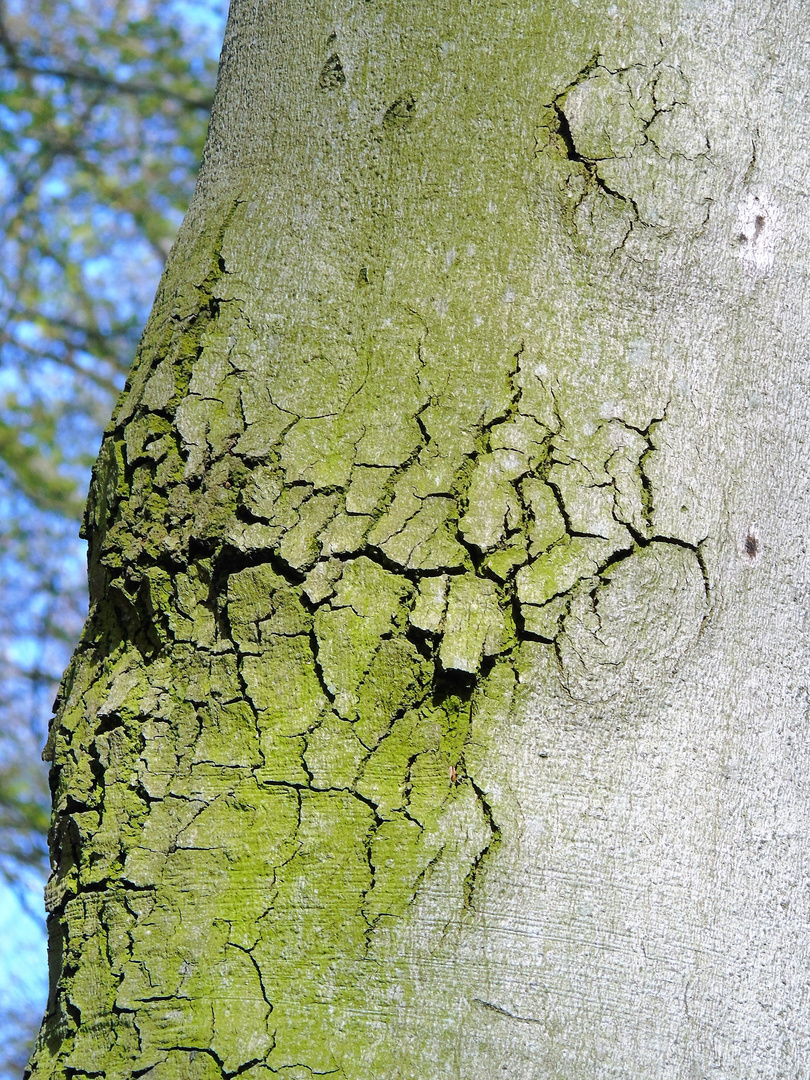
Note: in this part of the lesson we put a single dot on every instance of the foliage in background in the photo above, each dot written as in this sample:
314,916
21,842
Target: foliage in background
103,112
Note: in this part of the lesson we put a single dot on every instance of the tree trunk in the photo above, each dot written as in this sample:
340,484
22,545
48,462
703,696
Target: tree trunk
442,710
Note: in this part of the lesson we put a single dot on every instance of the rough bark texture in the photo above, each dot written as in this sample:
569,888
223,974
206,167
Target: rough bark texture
442,710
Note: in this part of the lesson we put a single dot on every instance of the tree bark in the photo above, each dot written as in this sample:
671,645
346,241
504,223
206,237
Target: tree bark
442,709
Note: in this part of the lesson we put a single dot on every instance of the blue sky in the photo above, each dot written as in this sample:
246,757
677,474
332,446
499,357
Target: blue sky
23,959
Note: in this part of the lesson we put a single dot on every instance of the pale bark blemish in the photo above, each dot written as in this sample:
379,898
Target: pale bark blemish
612,410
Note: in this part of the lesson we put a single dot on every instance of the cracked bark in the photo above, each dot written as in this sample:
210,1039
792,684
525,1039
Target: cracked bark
416,729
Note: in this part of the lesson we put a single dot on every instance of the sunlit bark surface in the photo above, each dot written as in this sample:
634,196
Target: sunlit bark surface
443,706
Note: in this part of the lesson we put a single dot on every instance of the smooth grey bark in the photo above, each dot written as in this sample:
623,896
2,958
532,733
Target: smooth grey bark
513,297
